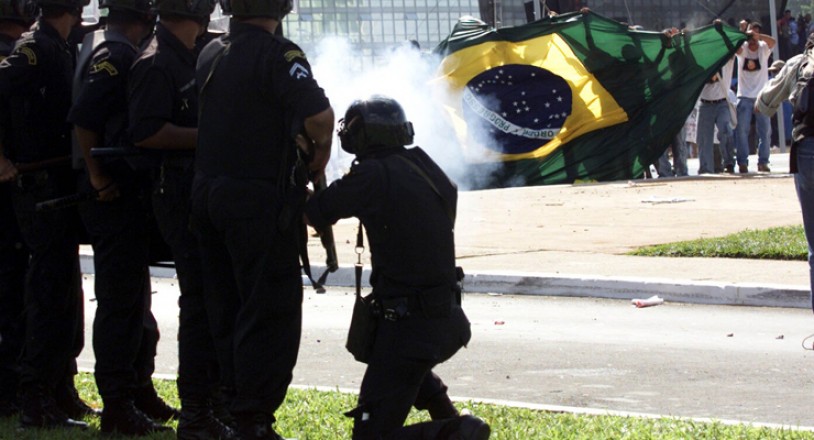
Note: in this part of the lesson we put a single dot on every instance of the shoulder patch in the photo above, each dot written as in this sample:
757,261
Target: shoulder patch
105,66
298,71
292,54
30,55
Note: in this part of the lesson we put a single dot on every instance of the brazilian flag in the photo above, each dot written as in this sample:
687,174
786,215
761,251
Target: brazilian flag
573,97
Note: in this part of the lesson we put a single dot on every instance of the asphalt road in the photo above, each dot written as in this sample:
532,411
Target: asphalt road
720,362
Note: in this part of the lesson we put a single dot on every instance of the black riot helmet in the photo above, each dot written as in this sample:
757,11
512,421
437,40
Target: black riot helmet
198,10
276,9
70,5
21,11
372,124
137,6
143,10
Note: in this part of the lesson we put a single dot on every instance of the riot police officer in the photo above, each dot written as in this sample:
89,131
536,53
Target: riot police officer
407,204
255,88
35,89
164,118
125,333
15,18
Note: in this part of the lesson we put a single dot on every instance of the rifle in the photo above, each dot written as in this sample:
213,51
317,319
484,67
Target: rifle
300,177
326,235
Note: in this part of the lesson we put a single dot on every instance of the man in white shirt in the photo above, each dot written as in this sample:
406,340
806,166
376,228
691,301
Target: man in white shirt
714,112
753,74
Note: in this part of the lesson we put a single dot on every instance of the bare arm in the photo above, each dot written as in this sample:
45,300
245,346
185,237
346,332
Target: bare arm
319,128
99,179
7,169
769,40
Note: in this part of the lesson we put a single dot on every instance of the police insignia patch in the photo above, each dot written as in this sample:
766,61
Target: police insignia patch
292,54
298,71
104,66
29,53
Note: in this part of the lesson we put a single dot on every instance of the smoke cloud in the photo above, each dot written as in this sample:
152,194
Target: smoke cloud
405,74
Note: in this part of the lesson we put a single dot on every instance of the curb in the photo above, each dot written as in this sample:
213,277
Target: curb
586,286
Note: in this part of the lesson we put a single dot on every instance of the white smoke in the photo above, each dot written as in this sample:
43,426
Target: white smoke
405,74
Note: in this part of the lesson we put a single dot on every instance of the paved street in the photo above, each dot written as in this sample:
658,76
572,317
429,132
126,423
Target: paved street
722,362
678,359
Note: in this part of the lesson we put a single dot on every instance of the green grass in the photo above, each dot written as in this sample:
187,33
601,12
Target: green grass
785,243
315,415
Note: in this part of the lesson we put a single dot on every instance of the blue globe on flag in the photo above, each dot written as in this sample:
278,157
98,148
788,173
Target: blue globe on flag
519,107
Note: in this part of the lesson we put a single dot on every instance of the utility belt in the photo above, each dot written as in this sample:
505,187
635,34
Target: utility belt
177,163
171,166
27,180
436,302
30,180
712,101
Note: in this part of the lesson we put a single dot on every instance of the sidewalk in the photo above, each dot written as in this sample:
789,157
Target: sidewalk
570,240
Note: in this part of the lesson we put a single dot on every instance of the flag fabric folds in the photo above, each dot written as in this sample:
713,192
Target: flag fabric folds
576,97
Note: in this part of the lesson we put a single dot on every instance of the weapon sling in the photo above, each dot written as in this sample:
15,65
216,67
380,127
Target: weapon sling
421,173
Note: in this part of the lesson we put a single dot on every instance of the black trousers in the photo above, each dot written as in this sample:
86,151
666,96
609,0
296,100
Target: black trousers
125,332
54,330
198,371
253,281
399,376
13,265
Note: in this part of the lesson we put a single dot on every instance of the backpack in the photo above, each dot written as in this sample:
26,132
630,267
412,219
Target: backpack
802,98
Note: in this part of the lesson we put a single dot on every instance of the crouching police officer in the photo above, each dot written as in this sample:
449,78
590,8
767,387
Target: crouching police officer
407,204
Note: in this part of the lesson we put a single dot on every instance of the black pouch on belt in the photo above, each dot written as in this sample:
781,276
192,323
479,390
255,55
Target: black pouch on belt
362,330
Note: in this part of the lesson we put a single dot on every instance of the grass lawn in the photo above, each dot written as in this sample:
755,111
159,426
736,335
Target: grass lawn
314,415
785,243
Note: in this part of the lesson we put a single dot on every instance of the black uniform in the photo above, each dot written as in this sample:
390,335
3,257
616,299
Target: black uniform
35,87
410,231
242,163
125,333
162,90
13,265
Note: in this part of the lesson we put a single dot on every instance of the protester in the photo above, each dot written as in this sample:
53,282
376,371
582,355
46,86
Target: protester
753,64
787,85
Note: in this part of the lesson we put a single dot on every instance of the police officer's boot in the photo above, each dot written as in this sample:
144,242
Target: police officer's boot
120,416
39,410
256,426
68,400
471,428
8,407
221,399
147,401
441,407
197,422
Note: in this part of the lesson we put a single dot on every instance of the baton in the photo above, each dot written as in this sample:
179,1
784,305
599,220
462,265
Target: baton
115,152
66,202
